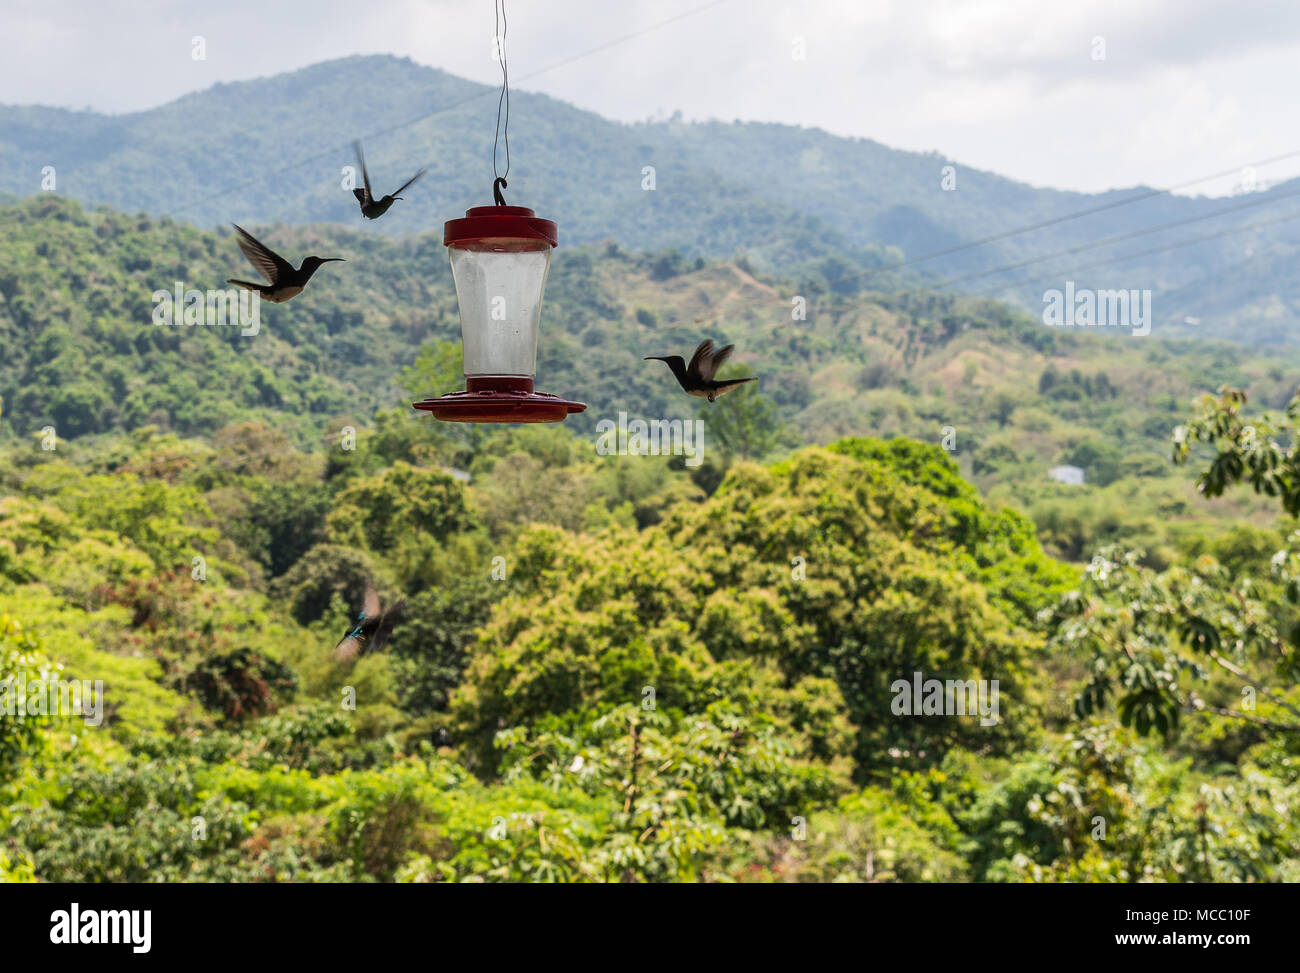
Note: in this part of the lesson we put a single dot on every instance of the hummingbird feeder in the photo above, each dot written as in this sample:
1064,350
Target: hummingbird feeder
500,256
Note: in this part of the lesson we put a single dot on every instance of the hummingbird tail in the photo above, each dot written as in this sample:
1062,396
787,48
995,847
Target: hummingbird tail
245,284
727,385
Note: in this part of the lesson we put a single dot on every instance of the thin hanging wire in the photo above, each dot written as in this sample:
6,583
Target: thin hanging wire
500,26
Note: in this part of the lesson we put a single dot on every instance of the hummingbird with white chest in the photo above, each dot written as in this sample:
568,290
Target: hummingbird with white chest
697,378
285,282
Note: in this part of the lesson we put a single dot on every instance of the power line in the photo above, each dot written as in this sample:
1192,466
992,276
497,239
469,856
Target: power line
1144,253
1100,263
1263,200
1118,239
1029,228
1078,214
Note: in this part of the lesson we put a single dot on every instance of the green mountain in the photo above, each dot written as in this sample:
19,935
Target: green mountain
784,197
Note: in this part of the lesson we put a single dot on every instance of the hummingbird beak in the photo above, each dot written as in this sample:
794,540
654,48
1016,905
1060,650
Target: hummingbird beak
327,260
652,358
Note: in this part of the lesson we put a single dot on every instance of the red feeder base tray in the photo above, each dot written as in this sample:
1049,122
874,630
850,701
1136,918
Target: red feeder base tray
497,400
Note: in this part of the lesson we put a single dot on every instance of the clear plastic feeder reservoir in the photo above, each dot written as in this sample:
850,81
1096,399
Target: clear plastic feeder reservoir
499,287
500,256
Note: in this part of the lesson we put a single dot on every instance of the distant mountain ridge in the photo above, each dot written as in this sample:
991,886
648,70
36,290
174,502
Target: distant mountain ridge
273,149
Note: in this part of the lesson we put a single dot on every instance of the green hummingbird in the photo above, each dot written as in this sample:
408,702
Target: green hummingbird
372,628
372,208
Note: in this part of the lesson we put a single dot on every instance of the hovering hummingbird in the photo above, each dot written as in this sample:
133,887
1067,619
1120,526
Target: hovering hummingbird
697,377
372,628
285,281
372,208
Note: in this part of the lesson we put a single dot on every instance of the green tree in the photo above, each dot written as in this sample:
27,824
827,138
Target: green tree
20,656
435,371
809,590
743,422
1147,633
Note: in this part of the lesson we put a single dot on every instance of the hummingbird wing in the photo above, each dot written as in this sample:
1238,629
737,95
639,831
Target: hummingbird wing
267,262
370,603
349,647
386,625
365,176
699,360
408,182
709,367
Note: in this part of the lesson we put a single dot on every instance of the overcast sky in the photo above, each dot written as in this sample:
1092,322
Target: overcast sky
1185,88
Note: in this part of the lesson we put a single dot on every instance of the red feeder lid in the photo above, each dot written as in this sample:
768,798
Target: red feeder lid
498,222
500,407
500,398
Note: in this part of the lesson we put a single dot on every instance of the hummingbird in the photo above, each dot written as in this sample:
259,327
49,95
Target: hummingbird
372,208
697,377
286,282
372,628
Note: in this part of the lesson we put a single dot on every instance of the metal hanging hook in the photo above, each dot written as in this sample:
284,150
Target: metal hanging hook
498,184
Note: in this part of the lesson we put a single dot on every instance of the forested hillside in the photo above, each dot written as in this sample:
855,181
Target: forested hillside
572,698
778,195
79,352
622,668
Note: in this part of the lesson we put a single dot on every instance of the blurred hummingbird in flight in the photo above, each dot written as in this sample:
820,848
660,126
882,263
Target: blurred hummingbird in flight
697,377
372,628
286,282
372,208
